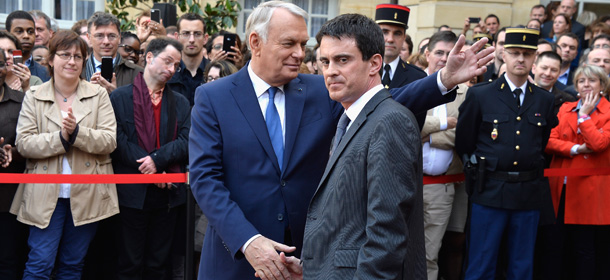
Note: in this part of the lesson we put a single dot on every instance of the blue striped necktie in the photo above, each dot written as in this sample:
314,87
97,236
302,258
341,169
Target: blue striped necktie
274,127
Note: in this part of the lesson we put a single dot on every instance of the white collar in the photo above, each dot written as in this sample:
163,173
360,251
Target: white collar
354,110
260,86
513,86
393,66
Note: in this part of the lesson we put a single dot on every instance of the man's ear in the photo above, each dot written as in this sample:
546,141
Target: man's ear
376,62
255,41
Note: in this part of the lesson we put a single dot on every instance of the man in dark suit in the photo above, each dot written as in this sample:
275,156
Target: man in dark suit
255,164
505,126
492,69
396,72
365,220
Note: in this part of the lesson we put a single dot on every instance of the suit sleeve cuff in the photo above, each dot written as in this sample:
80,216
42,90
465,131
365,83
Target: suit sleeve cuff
442,87
243,248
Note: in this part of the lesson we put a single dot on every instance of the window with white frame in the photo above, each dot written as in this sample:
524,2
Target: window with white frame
66,12
319,12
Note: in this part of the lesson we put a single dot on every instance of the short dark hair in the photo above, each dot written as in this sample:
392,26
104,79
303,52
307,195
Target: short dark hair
6,34
19,14
226,68
545,42
503,29
127,34
64,40
39,47
191,16
539,6
310,56
2,54
366,33
103,19
409,43
442,36
158,45
39,14
492,16
570,35
441,27
551,55
601,36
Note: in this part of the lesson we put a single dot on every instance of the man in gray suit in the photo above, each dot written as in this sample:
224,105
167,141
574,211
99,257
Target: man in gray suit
365,220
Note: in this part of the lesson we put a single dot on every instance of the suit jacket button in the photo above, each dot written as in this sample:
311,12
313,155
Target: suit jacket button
515,163
517,147
518,132
283,183
87,164
44,167
518,118
280,217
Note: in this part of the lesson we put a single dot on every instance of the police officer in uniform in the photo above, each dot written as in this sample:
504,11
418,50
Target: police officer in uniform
502,130
393,19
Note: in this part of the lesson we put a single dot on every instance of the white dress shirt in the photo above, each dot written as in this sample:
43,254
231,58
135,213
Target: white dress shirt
393,66
354,110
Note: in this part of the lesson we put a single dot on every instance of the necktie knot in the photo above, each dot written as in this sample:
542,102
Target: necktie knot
272,91
387,68
517,92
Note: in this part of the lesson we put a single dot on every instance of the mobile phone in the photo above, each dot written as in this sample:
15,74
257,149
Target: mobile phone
17,57
474,19
107,68
228,42
154,15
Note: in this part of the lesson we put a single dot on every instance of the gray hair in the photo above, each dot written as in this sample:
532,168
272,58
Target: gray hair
54,25
40,14
593,71
258,21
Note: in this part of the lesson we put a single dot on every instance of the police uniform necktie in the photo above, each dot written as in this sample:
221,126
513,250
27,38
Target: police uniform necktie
517,92
386,77
341,127
274,127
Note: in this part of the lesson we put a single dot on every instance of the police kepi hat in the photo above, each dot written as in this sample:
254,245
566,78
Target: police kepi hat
478,37
392,14
521,38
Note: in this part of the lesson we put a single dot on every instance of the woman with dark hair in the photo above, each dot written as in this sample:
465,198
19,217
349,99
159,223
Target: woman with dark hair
218,69
129,48
582,140
66,126
215,52
561,25
18,77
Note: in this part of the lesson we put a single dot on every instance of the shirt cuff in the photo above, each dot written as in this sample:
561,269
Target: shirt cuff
243,248
442,87
574,150
443,122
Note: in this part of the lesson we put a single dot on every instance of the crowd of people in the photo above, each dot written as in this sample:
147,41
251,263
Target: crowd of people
281,192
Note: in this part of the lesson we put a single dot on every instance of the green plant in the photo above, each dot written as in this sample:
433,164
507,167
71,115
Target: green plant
222,15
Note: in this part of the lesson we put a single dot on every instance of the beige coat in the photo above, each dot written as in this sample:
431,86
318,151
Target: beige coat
445,139
38,140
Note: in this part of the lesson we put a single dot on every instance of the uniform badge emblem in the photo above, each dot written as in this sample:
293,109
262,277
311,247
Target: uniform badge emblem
494,134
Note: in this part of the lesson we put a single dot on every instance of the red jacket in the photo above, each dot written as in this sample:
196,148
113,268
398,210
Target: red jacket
587,199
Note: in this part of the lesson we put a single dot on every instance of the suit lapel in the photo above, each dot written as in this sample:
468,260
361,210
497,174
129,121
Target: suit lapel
353,129
244,95
295,100
400,76
505,94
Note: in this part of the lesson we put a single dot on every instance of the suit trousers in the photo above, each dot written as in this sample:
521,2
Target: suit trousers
145,242
62,239
13,247
487,226
438,202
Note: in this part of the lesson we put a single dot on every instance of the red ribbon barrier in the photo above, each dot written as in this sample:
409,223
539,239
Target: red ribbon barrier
16,178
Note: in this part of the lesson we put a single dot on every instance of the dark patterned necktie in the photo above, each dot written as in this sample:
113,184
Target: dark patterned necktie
341,127
517,92
386,77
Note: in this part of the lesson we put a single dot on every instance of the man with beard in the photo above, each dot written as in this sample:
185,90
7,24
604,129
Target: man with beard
191,33
152,131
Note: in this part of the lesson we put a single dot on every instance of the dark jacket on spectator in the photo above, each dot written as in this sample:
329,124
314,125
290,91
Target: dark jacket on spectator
10,105
39,71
